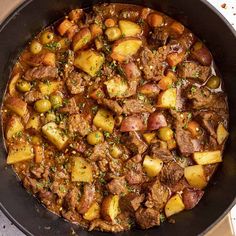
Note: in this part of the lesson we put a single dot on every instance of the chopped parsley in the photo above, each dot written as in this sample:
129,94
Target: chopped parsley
107,134
53,46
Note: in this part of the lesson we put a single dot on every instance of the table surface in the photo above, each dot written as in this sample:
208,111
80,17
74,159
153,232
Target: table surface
227,226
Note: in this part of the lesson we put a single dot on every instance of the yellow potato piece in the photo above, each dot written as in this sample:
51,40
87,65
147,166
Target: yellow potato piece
17,105
129,28
12,84
148,137
222,133
167,99
81,170
82,38
116,87
14,126
125,48
205,158
152,166
174,205
93,212
20,152
33,122
49,87
89,61
195,176
110,207
104,120
55,135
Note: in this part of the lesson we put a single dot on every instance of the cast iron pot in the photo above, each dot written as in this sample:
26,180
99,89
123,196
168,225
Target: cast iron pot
26,212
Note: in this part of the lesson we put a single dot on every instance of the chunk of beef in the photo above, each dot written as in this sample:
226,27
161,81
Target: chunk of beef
153,63
179,186
157,195
86,199
191,197
100,151
71,199
111,104
117,186
131,202
76,82
158,37
37,171
78,124
164,154
132,87
134,173
131,70
31,184
59,189
70,107
41,72
106,226
32,96
209,170
47,197
194,71
67,62
171,173
133,106
187,40
147,217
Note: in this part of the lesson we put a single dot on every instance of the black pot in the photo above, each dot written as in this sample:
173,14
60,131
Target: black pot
27,213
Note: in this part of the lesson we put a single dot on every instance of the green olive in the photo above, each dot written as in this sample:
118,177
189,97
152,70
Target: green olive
115,151
165,133
113,33
56,101
47,37
36,47
95,137
42,105
50,116
23,86
213,82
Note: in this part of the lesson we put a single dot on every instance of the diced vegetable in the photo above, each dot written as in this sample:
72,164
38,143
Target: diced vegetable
116,87
174,205
82,38
167,99
104,120
33,122
131,70
165,133
109,22
195,176
113,33
89,61
12,84
155,20
156,121
95,137
213,82
96,30
132,123
36,47
39,153
93,212
165,83
47,37
81,170
175,58
149,90
177,27
23,86
171,144
76,14
129,28
64,26
14,127
201,53
97,94
206,158
17,105
125,48
152,166
222,133
42,105
110,207
98,43
115,151
56,101
49,87
148,137
20,152
194,128
49,59
55,135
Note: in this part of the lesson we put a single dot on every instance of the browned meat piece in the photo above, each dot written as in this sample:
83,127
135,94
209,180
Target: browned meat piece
194,71
71,199
31,184
41,72
70,107
67,60
209,170
161,153
133,106
75,83
154,62
33,96
171,173
179,186
59,189
191,197
158,37
147,218
86,199
37,171
157,195
202,98
117,186
78,124
187,40
134,173
105,226
111,104
131,202
47,197
131,70
100,151
132,87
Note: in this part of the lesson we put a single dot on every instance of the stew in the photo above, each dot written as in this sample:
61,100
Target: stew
115,117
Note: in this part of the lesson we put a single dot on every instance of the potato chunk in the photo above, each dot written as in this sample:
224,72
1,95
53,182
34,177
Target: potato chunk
174,205
89,61
152,166
55,135
33,122
195,176
81,170
125,48
12,84
49,87
81,39
110,207
104,120
116,87
17,105
64,27
93,212
20,152
222,133
148,137
14,126
167,99
206,158
129,28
